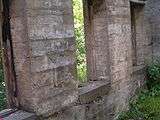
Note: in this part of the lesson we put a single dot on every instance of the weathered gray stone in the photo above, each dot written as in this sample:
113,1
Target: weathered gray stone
17,115
44,53
92,91
7,112
97,40
72,113
139,1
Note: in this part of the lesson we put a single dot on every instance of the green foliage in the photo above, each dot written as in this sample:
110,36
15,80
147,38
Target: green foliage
80,40
2,86
153,72
2,91
145,107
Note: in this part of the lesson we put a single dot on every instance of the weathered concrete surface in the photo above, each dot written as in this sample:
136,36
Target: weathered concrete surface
11,114
44,51
92,91
110,49
153,15
95,13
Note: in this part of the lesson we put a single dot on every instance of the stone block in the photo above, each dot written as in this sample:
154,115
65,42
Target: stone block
17,115
47,106
93,91
43,47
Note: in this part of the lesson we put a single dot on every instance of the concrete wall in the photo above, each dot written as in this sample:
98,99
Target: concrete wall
153,15
44,51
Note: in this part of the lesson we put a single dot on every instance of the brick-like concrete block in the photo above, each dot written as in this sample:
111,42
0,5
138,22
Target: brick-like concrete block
17,115
92,91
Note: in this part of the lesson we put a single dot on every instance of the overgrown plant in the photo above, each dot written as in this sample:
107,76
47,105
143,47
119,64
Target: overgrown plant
147,105
153,72
2,86
80,40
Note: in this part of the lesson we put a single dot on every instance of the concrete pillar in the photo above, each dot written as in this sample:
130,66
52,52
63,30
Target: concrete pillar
108,41
96,30
43,41
119,32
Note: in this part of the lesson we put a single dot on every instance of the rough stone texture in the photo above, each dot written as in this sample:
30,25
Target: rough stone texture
143,35
110,49
153,15
118,40
11,114
141,44
44,51
95,13
92,91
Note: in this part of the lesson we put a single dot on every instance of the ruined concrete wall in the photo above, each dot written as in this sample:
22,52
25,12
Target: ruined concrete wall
109,59
111,46
44,51
113,31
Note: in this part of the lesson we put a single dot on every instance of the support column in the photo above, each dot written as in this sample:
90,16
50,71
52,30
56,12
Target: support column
108,41
119,32
44,53
98,65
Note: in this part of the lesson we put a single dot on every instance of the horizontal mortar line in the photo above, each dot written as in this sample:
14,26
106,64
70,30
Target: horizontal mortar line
49,70
55,51
120,5
48,8
68,65
50,98
33,15
119,16
69,50
51,39
40,86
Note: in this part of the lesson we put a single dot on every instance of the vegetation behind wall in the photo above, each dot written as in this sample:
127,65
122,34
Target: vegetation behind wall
2,86
80,40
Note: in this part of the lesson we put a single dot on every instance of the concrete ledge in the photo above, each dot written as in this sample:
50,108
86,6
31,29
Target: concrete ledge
7,112
14,114
92,91
138,1
139,69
